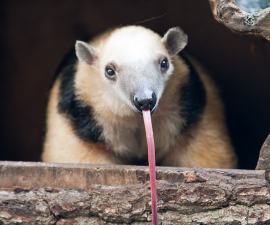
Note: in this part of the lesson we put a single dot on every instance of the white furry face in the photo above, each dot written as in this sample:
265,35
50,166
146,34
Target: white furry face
134,63
135,55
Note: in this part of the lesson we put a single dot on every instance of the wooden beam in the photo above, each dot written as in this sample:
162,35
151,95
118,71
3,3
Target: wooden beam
81,176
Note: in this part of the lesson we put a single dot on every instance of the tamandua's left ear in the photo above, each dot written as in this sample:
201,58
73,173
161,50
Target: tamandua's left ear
175,40
86,53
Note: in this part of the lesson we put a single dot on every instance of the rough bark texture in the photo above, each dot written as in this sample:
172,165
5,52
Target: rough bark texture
228,13
185,196
264,158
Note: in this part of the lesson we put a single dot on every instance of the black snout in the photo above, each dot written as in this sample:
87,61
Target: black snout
145,101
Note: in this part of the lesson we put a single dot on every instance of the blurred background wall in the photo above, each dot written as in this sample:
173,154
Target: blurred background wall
35,35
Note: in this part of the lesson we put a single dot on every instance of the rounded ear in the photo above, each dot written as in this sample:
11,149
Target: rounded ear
86,53
174,40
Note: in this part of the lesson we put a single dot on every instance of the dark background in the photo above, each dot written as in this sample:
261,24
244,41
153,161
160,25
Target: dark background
35,35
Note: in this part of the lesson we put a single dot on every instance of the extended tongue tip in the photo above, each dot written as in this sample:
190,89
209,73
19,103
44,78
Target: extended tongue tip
152,162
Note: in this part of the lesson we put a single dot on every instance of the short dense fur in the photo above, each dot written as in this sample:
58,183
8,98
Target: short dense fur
91,119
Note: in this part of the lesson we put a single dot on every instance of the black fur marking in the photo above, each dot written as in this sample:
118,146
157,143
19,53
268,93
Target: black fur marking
79,113
193,97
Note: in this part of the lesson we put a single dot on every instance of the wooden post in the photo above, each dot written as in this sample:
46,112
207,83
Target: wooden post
264,159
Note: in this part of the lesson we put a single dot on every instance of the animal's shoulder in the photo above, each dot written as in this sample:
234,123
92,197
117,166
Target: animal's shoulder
193,94
79,114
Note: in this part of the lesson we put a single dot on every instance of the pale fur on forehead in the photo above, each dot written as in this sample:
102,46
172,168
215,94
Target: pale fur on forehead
132,43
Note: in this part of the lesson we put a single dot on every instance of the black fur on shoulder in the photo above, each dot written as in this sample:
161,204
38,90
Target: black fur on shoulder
193,98
78,112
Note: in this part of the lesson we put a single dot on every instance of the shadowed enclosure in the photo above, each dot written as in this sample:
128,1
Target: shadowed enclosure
35,36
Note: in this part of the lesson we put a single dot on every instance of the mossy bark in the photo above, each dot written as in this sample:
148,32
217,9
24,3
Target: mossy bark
228,13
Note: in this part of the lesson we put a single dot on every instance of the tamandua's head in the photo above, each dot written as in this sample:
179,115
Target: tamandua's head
135,63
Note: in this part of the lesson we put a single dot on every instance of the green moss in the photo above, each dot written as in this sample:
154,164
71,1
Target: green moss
253,18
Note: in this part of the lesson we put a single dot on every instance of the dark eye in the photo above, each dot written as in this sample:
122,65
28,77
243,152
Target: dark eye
164,64
109,72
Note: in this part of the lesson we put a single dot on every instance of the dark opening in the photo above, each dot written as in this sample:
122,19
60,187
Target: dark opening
35,36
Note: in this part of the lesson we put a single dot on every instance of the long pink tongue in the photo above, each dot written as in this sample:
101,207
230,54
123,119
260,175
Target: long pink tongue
152,162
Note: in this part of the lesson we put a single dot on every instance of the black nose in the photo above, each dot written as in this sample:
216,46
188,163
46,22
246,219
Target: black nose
143,101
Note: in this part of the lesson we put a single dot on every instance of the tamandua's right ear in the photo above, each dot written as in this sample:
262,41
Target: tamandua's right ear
175,40
86,53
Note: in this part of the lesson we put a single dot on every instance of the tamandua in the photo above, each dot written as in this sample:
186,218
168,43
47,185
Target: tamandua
96,102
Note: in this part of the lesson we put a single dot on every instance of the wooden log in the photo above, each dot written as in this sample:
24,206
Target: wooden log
93,194
228,13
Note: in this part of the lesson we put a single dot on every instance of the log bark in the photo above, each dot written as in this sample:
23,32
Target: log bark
185,195
228,13
264,159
